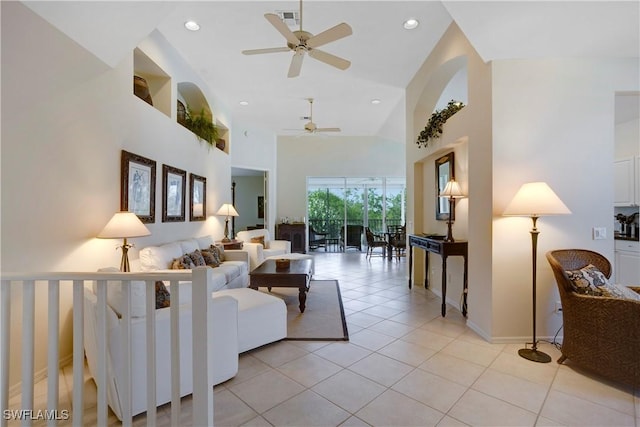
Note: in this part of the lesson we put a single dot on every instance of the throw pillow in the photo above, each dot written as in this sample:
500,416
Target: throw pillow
163,297
220,252
258,240
197,258
182,263
615,290
210,258
587,280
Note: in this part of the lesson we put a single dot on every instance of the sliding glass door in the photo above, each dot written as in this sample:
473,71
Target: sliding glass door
340,208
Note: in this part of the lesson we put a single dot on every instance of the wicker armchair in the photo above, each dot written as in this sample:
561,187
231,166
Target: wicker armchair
601,334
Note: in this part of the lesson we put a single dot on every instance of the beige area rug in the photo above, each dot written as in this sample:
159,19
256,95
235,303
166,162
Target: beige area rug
323,318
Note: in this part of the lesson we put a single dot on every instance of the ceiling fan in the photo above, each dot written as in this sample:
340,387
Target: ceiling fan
311,127
302,41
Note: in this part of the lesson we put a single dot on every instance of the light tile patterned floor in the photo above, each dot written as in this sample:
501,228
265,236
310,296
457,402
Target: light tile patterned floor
404,365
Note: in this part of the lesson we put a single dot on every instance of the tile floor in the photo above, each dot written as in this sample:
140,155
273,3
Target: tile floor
404,365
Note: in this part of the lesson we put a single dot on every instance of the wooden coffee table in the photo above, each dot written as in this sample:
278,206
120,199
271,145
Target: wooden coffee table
298,275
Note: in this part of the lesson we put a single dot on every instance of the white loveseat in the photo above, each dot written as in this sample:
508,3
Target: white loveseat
259,252
243,319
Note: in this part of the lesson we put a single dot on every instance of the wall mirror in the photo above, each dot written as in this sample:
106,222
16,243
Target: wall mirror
444,173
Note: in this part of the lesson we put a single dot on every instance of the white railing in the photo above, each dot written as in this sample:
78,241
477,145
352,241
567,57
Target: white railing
202,409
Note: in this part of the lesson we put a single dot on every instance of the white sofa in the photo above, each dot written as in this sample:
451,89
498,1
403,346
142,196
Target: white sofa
243,319
259,252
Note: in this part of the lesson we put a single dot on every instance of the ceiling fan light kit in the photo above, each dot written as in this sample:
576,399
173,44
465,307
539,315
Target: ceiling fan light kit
301,42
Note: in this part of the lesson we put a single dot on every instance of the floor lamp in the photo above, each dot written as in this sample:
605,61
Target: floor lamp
535,199
122,226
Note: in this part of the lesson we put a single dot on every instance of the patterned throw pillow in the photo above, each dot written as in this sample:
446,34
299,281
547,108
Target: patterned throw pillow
210,257
591,281
163,297
197,258
588,280
259,239
220,249
182,263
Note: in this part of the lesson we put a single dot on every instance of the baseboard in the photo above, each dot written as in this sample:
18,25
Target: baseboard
40,375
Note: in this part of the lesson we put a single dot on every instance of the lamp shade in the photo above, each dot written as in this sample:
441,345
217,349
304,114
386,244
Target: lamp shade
452,189
227,209
536,199
122,225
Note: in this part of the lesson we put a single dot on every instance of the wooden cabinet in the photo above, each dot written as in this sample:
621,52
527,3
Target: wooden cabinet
625,175
296,234
627,262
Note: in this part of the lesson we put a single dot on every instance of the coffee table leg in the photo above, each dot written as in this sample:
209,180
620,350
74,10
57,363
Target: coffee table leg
302,297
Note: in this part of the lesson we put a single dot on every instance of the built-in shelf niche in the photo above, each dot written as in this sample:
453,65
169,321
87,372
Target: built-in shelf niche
190,95
158,81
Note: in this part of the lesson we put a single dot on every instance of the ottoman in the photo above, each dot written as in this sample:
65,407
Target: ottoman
262,318
295,255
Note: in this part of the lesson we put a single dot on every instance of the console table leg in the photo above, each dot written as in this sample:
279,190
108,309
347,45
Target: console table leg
410,264
465,289
444,286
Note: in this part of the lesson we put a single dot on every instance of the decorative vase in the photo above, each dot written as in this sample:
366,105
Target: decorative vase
141,89
220,143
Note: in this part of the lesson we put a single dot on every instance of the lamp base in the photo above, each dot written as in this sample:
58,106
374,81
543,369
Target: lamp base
534,355
225,239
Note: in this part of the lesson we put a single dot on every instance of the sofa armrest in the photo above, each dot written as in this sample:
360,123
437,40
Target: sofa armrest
256,254
236,255
281,245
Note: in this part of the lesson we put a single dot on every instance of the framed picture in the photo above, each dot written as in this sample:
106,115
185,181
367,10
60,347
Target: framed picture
174,184
444,173
197,198
138,186
260,206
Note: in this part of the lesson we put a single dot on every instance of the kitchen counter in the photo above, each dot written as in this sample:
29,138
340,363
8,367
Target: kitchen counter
623,237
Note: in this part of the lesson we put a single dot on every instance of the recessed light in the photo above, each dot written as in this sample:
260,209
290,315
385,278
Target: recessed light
192,25
410,24
375,101
244,102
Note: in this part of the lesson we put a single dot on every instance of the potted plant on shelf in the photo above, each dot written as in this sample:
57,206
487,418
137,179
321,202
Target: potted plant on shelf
202,126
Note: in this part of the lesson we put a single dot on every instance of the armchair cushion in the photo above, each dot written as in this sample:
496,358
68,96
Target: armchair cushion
257,251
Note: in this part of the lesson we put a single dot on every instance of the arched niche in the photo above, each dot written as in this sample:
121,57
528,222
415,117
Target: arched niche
190,95
448,82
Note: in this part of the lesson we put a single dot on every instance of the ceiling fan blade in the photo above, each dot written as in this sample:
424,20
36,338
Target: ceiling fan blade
330,59
328,130
282,28
332,34
296,64
267,50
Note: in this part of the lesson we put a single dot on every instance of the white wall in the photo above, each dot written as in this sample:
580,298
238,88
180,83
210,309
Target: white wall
66,118
299,158
553,121
248,188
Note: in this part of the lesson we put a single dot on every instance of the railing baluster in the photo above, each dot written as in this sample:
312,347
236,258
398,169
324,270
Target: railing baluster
53,349
126,351
28,328
174,310
101,355
202,410
5,335
78,353
151,352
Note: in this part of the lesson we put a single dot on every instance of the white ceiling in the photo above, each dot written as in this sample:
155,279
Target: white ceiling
384,56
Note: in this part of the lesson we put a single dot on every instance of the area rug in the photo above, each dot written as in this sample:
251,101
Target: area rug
323,318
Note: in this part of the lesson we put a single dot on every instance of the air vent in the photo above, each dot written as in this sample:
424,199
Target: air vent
289,17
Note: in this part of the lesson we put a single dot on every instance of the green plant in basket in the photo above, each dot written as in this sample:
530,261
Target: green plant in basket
202,126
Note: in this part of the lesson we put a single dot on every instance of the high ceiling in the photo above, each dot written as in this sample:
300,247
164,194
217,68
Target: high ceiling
383,54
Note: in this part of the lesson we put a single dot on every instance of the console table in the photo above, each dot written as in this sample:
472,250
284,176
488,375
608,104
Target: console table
437,245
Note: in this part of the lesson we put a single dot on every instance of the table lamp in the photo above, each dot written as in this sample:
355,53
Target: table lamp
227,210
535,199
122,226
453,191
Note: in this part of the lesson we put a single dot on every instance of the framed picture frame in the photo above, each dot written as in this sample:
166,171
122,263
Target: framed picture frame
174,185
444,173
260,206
138,186
197,197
